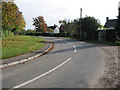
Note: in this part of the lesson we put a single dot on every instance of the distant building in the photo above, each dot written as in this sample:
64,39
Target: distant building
55,28
108,34
110,24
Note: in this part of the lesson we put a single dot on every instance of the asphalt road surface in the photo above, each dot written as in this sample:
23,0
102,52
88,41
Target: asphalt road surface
71,64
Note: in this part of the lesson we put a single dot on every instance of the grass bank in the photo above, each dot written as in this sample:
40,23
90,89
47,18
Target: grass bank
17,45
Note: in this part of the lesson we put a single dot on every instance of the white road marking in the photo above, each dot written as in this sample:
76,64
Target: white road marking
74,48
23,84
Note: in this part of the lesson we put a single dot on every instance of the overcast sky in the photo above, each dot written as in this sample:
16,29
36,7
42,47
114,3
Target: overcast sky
55,10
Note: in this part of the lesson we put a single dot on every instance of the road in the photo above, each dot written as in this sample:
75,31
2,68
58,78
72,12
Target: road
71,64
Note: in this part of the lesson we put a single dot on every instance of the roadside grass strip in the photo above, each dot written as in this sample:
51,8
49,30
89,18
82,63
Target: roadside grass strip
18,45
27,59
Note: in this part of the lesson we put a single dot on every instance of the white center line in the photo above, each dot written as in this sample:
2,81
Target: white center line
74,48
23,84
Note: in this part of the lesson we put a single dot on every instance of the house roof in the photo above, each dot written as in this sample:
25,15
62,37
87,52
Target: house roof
52,27
111,23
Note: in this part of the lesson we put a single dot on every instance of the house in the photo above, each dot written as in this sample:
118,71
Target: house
55,28
108,34
110,24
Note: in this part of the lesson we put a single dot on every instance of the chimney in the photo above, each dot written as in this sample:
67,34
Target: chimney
54,24
107,18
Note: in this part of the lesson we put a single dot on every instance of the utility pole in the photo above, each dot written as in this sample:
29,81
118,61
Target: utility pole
80,22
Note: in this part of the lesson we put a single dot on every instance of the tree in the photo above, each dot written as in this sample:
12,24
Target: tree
12,18
40,25
63,27
118,27
89,27
70,27
50,30
63,22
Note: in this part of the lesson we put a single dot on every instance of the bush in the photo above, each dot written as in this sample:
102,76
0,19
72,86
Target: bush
30,32
51,34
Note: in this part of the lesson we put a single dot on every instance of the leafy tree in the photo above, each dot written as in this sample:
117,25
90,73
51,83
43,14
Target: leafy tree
73,27
12,18
64,26
118,26
89,27
69,27
63,22
50,30
40,25
45,27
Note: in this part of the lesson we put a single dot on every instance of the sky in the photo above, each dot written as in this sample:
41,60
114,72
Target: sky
55,10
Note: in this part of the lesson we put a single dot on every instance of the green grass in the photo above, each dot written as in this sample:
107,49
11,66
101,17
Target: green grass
118,42
17,45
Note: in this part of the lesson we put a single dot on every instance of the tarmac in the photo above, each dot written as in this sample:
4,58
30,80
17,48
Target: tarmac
26,57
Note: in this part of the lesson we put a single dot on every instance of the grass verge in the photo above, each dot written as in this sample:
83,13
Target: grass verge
18,45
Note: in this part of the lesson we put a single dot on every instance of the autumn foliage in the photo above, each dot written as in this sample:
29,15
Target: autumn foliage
12,18
40,25
50,30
